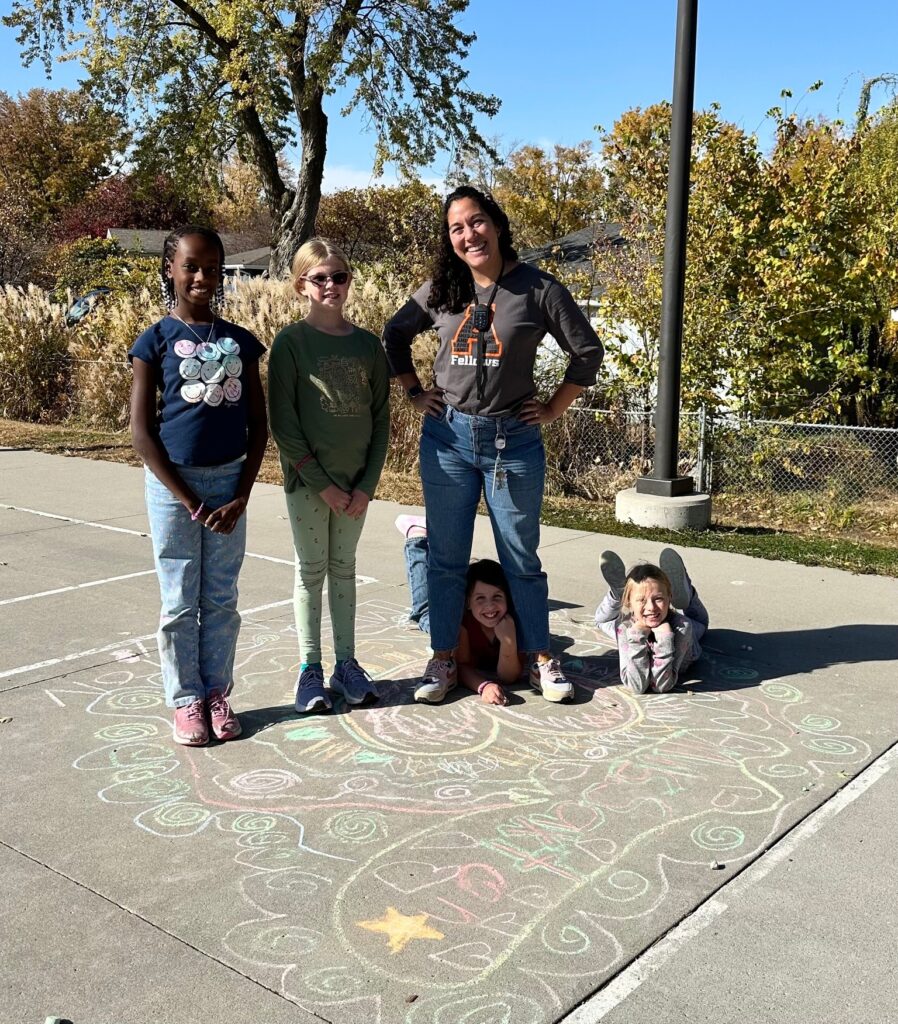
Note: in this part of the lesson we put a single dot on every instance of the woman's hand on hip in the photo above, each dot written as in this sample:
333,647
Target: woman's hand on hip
536,413
224,519
358,502
430,403
335,499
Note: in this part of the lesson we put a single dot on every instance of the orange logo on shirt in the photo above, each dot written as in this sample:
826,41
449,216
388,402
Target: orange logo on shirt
466,340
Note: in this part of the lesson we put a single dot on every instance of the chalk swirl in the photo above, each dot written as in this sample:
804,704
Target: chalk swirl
781,691
568,940
181,817
486,1008
830,745
717,837
263,782
127,731
357,827
333,982
820,723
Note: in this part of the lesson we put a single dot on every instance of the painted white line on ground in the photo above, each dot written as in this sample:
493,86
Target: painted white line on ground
78,586
140,533
72,519
654,958
54,698
120,645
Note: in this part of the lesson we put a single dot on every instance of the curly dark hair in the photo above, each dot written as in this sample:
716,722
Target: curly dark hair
170,246
452,285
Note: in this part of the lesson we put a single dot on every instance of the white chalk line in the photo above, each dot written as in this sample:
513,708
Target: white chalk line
120,529
650,962
362,580
121,645
78,586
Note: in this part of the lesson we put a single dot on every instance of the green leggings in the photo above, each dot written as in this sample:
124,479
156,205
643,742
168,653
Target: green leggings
325,546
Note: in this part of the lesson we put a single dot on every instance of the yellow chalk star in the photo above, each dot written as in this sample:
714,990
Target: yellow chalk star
401,928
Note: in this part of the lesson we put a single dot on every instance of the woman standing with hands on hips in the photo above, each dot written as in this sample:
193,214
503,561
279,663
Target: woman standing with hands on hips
481,421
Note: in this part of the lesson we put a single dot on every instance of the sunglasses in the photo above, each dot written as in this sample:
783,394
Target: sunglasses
320,280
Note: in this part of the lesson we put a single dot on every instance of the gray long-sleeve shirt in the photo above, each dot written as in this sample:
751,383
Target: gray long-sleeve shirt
529,304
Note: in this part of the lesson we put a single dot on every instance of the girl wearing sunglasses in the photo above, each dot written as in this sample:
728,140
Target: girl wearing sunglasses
481,421
328,393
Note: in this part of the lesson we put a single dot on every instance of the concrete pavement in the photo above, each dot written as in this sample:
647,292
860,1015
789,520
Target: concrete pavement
418,864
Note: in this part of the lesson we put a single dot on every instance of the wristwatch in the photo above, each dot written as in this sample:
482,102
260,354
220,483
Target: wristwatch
414,391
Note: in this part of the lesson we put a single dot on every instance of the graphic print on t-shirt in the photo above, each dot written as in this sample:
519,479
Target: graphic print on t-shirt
343,384
466,341
210,371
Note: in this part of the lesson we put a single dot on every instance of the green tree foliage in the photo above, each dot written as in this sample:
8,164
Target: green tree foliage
255,74
397,227
791,267
547,195
55,147
94,262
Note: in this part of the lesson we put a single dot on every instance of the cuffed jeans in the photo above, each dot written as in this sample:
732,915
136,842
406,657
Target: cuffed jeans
197,570
416,569
458,465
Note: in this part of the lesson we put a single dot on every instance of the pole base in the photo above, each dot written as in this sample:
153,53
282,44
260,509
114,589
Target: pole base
669,487
683,512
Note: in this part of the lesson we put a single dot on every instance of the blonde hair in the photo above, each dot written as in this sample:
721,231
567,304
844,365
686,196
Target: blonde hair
311,254
637,576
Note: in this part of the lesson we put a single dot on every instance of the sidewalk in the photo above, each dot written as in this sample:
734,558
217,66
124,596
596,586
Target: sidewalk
435,865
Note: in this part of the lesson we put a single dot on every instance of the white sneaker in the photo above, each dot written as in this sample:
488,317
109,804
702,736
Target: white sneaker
439,678
547,678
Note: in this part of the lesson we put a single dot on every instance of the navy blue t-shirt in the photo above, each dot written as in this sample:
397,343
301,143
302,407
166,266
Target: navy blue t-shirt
201,372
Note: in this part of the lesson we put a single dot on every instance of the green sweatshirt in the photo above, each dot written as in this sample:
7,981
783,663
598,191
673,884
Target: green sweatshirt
328,399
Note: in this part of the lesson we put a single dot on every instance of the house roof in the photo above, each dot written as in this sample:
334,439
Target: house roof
575,249
251,259
151,241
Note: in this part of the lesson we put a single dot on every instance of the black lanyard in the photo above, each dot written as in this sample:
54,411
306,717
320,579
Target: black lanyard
480,377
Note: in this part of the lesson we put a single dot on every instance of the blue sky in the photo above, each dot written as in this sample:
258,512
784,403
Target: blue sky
563,66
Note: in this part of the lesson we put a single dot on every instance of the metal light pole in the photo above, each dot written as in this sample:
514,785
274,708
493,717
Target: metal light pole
664,480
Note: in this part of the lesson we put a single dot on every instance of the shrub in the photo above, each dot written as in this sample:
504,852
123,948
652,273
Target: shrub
34,360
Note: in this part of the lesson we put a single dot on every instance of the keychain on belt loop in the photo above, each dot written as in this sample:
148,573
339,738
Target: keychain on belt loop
498,468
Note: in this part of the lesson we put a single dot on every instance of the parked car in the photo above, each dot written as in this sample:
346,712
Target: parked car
83,305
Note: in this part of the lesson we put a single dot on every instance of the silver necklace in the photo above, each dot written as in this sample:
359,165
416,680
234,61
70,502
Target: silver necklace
200,339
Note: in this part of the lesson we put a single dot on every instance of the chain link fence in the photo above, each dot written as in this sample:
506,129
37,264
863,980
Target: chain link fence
593,453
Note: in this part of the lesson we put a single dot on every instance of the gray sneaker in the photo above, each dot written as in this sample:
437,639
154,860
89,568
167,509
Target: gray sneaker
310,692
439,678
673,568
353,682
547,678
614,572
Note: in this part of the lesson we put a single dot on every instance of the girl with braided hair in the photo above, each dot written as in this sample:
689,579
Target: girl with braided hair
198,421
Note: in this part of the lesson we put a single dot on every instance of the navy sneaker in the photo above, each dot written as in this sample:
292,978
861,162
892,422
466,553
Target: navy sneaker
310,692
353,682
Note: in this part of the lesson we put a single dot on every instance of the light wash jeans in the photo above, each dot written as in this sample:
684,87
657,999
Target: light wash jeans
197,572
415,551
458,462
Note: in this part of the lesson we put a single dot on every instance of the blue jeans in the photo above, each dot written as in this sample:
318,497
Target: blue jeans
416,569
458,466
197,571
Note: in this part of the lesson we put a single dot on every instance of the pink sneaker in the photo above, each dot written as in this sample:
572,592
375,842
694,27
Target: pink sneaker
411,526
191,727
225,723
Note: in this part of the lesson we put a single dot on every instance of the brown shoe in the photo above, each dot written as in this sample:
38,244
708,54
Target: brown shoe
225,723
191,727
